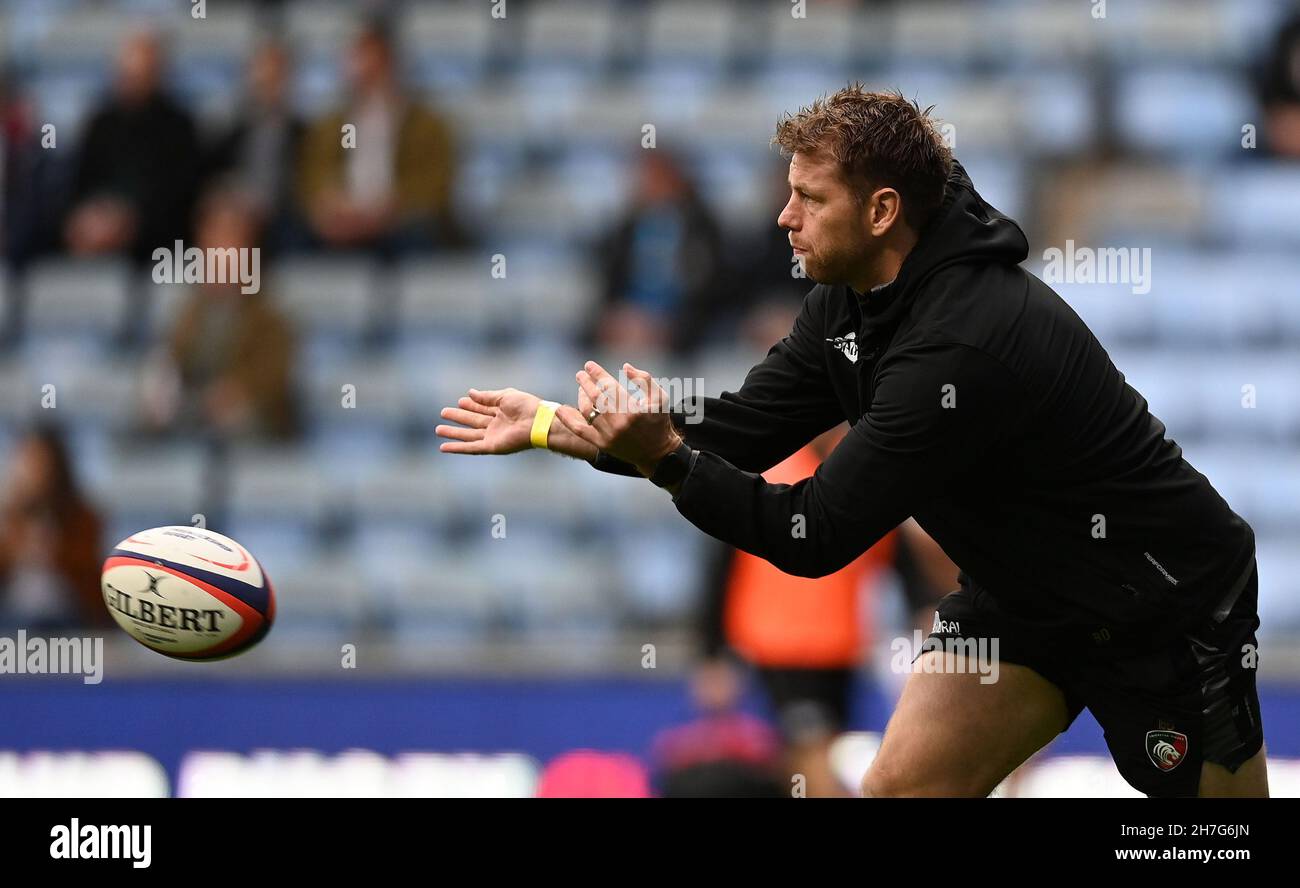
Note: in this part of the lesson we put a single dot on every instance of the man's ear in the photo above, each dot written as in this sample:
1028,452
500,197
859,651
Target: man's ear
884,211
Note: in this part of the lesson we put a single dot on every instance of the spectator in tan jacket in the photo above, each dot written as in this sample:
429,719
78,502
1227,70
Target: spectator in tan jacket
227,367
377,175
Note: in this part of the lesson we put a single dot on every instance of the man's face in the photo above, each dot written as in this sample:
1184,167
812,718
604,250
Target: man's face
826,224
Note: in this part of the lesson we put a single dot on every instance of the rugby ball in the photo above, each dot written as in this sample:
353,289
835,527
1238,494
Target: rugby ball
188,593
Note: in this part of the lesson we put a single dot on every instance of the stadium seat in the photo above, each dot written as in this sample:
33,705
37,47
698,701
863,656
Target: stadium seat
446,297
20,398
1279,587
940,33
154,484
1166,30
835,36
447,586
329,590
1180,112
574,32
359,393
446,46
103,393
416,487
1258,206
274,482
679,33
660,568
334,296
69,299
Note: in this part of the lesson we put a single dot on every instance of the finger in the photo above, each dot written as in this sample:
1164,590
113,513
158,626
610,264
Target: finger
577,424
605,392
476,448
595,397
468,403
459,433
466,417
653,396
489,398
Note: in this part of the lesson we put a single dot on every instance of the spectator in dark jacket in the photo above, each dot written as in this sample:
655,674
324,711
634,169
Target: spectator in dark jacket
137,164
662,265
258,152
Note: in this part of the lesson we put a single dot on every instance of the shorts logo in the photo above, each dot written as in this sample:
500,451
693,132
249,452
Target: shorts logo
1166,748
945,625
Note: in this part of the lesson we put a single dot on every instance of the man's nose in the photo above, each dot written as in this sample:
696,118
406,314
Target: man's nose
787,219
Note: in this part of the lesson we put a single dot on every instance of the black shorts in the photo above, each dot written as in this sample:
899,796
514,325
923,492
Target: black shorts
810,704
1165,708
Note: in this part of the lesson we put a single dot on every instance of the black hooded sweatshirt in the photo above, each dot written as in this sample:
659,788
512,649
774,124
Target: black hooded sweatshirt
980,404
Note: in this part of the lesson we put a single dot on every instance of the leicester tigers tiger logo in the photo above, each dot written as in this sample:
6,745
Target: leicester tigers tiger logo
1166,749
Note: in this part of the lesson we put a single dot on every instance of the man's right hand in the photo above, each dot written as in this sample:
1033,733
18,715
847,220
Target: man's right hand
500,422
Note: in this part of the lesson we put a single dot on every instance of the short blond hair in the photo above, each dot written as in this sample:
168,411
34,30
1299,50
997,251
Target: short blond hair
878,139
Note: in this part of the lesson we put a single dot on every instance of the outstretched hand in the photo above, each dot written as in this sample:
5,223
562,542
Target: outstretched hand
499,422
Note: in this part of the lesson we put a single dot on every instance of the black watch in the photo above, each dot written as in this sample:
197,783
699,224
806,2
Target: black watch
672,468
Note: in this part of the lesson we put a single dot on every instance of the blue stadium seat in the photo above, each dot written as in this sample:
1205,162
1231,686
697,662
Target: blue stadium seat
660,568
444,298
323,590
685,36
446,46
334,296
275,483
154,484
1279,587
359,394
1258,206
420,487
575,33
1115,314
81,301
1165,31
1183,112
835,36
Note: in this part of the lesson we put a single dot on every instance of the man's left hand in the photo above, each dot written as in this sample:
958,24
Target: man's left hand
637,430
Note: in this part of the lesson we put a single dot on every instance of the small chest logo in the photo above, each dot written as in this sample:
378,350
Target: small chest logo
1166,749
846,344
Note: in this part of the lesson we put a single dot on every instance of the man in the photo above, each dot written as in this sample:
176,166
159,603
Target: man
387,188
226,366
137,166
1102,569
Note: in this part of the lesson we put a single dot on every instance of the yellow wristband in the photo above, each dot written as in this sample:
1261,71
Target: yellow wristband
542,423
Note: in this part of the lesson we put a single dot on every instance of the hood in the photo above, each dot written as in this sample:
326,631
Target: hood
964,229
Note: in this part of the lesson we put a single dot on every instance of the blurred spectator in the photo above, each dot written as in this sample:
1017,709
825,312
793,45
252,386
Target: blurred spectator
662,265
723,753
49,541
385,184
228,362
258,152
1281,92
137,166
804,637
35,182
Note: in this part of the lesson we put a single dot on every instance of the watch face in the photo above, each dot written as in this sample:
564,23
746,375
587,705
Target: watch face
672,468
